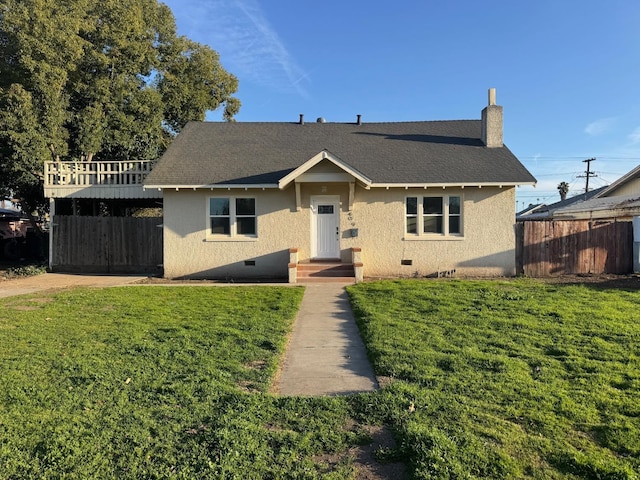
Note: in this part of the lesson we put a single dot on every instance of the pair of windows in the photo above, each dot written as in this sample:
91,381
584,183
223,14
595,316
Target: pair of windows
236,216
229,216
433,215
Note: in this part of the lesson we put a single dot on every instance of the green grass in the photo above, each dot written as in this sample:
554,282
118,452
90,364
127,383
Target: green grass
491,379
506,379
153,382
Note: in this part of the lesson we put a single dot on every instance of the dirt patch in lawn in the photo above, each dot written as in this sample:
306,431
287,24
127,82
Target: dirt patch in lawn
41,300
384,381
365,458
23,308
29,304
256,365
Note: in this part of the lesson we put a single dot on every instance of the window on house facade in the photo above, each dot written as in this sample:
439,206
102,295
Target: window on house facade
431,215
231,216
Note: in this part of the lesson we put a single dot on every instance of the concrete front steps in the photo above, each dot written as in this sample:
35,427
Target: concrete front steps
325,272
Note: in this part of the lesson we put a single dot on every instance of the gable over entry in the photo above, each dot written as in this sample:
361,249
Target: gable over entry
324,167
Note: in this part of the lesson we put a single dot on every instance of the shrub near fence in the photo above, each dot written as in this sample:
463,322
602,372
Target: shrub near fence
107,244
547,248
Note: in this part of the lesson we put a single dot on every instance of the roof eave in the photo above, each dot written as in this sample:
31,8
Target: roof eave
366,183
450,184
217,186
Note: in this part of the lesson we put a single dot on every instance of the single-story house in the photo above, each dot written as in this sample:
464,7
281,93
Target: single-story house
251,200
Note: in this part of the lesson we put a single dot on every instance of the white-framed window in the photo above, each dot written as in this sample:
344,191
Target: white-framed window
431,215
232,217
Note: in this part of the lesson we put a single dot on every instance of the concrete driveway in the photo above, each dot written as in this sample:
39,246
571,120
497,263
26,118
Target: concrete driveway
52,281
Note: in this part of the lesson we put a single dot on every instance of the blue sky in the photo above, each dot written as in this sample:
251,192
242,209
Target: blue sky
567,72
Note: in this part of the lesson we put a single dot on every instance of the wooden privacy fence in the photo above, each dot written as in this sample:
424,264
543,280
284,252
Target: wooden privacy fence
547,248
107,244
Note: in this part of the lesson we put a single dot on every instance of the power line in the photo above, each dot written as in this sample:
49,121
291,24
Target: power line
603,181
560,157
556,174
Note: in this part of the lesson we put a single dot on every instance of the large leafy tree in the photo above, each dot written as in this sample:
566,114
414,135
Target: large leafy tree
87,80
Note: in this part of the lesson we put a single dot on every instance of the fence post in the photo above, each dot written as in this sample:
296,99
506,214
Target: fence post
636,244
519,228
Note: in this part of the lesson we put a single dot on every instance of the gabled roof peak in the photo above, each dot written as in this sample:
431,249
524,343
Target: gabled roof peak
316,159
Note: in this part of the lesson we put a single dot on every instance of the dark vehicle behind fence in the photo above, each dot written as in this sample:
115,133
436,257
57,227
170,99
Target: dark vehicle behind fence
15,229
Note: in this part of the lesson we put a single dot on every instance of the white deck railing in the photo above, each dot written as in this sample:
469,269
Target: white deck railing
96,173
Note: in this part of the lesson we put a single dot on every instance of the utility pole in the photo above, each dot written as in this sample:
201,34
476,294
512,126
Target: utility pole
588,173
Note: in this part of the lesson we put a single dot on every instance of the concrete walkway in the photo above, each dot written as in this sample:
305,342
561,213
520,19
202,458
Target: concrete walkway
50,281
326,355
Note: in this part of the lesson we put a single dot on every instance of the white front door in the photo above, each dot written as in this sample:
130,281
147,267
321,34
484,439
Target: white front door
325,227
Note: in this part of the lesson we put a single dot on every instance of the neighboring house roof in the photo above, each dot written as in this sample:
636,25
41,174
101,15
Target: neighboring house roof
620,199
628,177
603,207
377,154
543,211
530,209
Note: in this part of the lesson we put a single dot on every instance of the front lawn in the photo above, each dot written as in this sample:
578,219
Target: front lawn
156,382
486,379
506,379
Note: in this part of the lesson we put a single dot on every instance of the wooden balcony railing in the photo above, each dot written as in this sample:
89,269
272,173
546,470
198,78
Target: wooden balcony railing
96,173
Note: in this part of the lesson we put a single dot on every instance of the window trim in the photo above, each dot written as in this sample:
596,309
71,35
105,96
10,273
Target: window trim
233,216
446,216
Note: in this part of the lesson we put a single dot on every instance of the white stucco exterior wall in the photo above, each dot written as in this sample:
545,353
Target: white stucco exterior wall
486,248
188,252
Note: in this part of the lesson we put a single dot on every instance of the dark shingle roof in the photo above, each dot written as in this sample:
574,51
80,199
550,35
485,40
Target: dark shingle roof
207,153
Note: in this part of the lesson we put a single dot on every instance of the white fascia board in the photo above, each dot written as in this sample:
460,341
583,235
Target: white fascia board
225,186
450,185
317,158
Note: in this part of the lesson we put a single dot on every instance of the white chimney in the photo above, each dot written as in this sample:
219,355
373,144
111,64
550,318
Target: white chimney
492,122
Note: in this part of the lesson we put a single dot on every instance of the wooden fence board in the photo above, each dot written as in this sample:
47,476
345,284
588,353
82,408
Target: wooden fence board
107,244
547,248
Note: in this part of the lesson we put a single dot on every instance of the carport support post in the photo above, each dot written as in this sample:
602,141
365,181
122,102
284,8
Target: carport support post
52,215
636,244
